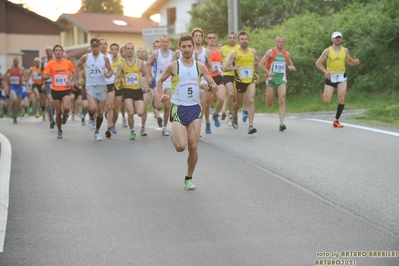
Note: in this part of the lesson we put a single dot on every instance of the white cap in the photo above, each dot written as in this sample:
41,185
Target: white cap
336,34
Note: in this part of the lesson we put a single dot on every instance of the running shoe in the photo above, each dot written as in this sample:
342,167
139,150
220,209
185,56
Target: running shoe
159,121
64,119
208,129
113,130
142,132
124,124
189,185
83,121
81,115
132,135
91,124
252,130
44,117
97,136
223,116
336,123
37,115
230,120
216,119
235,123
59,134
52,124
244,115
108,133
165,132
282,127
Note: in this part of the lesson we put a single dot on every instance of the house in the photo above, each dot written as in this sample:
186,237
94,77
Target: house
24,34
82,27
175,19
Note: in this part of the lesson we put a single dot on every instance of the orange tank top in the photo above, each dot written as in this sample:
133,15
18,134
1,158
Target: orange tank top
36,78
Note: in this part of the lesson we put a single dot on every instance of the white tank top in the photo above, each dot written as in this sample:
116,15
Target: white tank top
95,69
162,62
185,88
202,56
111,79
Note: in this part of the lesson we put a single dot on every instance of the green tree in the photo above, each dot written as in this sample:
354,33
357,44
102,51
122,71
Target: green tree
212,14
103,6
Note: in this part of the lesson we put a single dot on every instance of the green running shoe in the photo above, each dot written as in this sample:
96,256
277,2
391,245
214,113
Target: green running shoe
132,135
189,185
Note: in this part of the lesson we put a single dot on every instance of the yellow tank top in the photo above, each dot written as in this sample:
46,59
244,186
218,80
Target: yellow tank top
115,68
246,72
226,52
132,76
336,60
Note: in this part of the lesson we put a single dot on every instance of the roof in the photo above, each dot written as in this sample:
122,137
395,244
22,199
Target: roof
103,22
13,18
154,8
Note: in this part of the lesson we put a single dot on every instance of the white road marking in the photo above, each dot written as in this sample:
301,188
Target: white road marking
359,127
5,168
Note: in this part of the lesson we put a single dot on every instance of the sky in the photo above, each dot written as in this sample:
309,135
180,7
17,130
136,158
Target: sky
52,9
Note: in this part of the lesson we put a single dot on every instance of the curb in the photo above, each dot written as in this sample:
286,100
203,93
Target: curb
5,170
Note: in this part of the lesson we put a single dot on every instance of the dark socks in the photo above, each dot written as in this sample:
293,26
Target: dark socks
188,178
99,122
340,108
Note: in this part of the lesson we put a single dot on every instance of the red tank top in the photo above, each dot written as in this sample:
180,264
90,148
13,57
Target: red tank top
16,78
216,59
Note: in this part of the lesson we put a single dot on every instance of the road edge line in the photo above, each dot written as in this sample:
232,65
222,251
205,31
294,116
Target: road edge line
5,171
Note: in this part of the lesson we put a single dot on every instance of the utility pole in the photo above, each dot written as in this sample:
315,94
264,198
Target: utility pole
234,15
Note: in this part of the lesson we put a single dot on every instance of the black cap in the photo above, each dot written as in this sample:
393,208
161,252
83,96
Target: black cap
95,42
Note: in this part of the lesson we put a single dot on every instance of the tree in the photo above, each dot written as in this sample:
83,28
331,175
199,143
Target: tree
102,6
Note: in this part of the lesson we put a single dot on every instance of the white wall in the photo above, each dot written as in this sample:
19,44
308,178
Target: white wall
182,16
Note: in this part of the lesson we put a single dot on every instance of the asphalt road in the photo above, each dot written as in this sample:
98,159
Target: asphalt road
272,198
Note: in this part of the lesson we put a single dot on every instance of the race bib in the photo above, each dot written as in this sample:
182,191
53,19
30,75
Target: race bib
14,80
132,79
188,94
160,71
217,66
95,72
36,75
245,72
278,67
60,80
337,77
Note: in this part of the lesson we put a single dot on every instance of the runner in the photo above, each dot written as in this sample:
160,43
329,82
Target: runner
202,55
242,61
156,102
216,59
162,57
47,87
35,74
186,112
130,70
116,60
228,76
274,63
98,68
109,102
335,73
142,55
15,79
61,72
